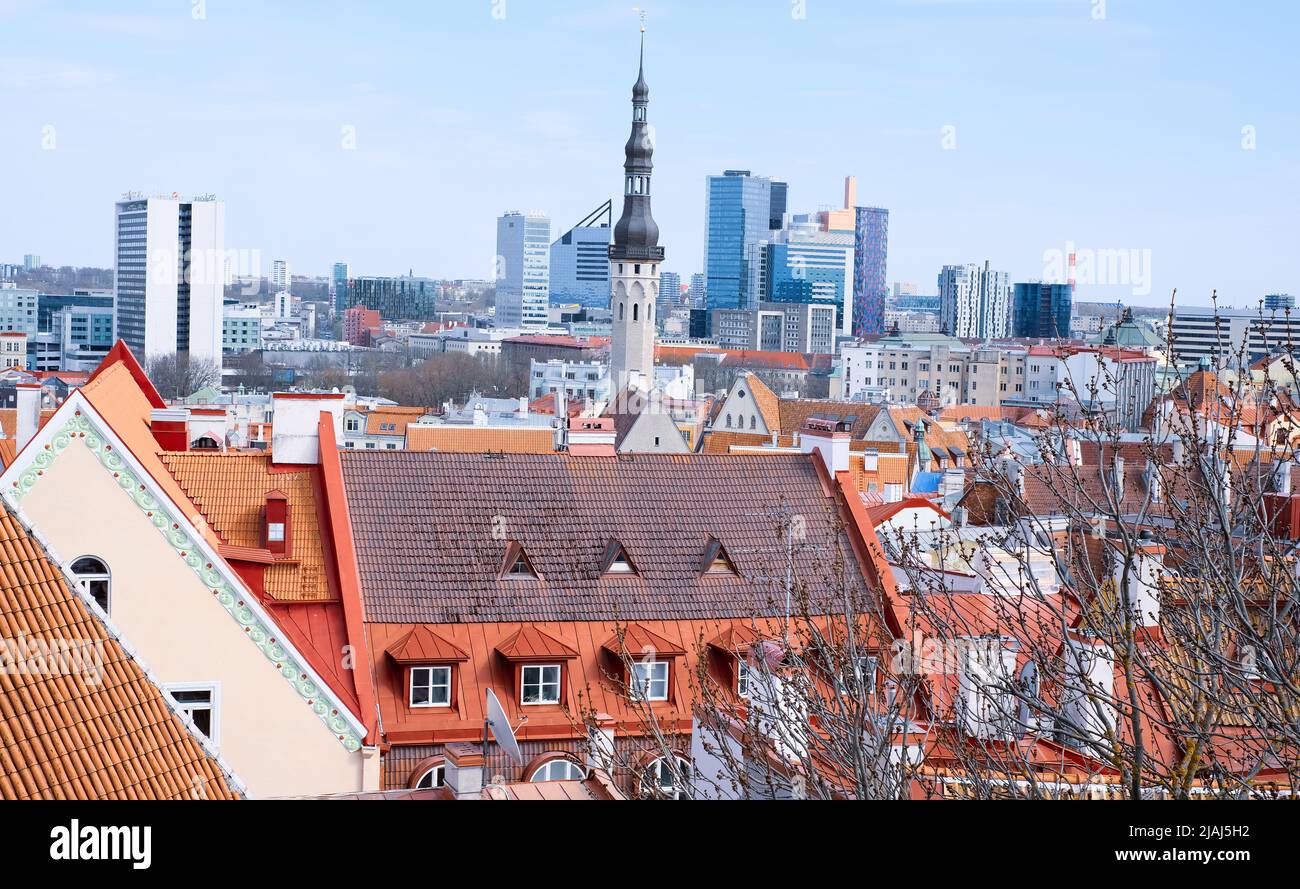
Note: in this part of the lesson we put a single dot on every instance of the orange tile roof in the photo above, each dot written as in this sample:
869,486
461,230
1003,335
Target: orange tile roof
766,400
395,417
230,489
765,359
8,450
480,439
66,737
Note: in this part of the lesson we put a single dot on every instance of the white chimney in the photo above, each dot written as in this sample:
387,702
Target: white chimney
779,711
1117,477
1088,693
29,412
523,405
1282,478
295,424
463,770
1154,481
825,437
600,743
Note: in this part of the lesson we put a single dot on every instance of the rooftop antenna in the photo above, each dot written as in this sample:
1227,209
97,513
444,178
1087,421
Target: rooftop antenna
496,721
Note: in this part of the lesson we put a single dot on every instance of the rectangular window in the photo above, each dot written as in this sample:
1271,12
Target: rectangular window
650,680
742,676
431,686
275,531
198,701
540,684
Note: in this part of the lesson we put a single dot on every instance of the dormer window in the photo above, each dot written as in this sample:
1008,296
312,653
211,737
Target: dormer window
650,680
716,560
742,679
430,686
276,531
539,684
617,561
517,565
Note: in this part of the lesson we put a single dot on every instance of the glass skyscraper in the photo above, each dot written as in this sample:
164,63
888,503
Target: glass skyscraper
740,210
1042,310
523,270
808,265
580,262
339,276
870,286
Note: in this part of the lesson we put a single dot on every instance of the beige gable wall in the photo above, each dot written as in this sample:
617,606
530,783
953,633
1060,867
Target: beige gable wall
268,735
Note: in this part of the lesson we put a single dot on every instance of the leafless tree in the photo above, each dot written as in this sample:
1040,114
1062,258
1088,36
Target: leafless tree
177,375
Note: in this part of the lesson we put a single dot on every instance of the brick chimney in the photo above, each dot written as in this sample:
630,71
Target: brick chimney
170,427
29,412
592,436
463,771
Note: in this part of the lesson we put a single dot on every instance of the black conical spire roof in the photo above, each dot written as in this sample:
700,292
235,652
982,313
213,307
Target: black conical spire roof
636,236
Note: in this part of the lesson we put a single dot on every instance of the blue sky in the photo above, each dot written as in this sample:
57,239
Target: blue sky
1118,132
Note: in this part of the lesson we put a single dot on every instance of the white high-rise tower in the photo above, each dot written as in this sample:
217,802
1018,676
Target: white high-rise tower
634,257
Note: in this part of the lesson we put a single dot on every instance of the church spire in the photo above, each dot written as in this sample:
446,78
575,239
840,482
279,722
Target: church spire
636,236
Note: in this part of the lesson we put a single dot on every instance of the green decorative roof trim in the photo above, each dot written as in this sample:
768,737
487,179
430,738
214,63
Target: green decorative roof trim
176,533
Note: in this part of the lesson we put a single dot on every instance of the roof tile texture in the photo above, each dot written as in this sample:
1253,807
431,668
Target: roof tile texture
432,529
107,733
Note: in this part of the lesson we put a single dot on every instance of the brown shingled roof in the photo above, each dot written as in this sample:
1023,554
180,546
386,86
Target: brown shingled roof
432,531
106,733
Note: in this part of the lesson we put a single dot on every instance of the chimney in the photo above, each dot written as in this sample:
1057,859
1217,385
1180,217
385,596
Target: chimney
171,427
1179,451
1154,481
276,534
1087,698
463,772
1117,477
826,438
850,192
1282,477
29,412
295,424
523,405
600,743
592,436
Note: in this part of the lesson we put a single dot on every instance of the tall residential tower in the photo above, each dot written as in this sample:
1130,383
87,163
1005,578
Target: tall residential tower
170,270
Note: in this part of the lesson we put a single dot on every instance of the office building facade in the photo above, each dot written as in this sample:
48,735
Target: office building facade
975,301
870,270
740,210
169,270
340,273
523,270
579,270
1042,310
396,299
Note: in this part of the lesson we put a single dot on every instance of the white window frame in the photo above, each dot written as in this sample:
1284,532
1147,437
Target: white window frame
742,678
213,689
275,532
645,677
439,781
550,764
83,580
430,685
656,765
540,683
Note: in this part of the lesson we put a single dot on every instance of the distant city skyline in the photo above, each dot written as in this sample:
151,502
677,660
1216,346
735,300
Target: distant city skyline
409,133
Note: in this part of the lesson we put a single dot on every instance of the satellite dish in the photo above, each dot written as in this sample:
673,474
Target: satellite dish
496,720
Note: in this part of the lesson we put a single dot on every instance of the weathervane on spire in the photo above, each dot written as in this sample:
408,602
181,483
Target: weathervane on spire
641,12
